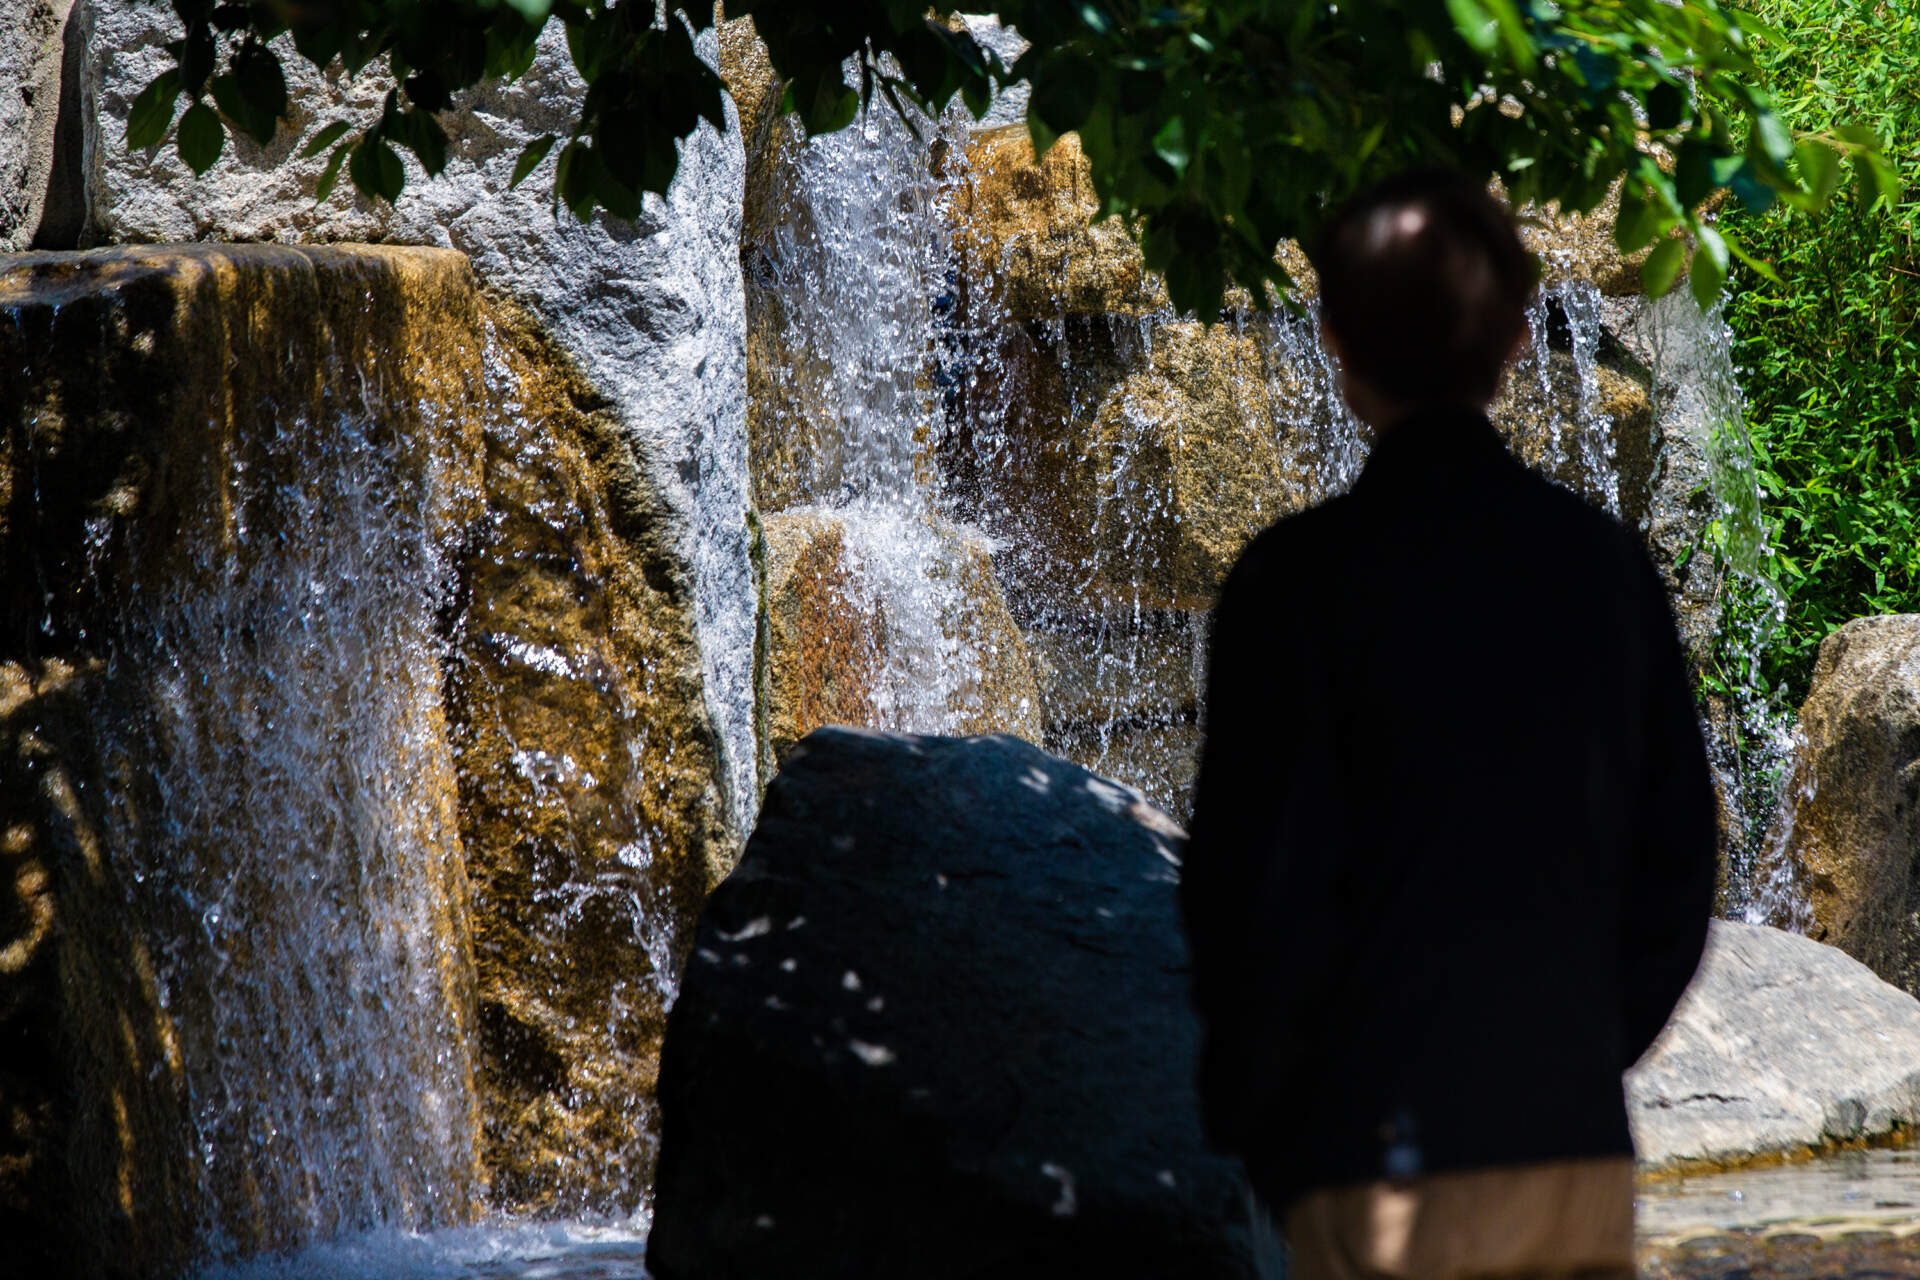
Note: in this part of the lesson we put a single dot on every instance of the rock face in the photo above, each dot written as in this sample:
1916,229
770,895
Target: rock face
345,691
1848,833
921,1035
1781,1044
651,311
592,813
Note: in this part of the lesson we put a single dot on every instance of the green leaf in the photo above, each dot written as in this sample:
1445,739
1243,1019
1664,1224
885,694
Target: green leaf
421,134
1774,137
1709,271
1639,220
1820,169
1095,17
1759,266
534,11
530,157
1860,136
1513,33
1064,93
200,138
331,174
1170,144
1713,246
1662,266
376,169
324,139
1475,25
1666,106
152,111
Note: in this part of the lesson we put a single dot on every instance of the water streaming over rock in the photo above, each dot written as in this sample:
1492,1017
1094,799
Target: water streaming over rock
849,284
1753,735
285,793
354,732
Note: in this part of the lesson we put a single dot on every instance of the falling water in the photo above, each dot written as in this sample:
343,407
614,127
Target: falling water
854,280
279,773
1752,734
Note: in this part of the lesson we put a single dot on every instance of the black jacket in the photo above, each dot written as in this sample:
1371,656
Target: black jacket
1453,842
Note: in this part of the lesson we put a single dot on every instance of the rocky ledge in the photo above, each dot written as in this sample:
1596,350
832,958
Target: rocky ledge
1782,1045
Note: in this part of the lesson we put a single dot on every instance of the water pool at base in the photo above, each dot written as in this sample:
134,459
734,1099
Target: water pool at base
500,1251
1855,1214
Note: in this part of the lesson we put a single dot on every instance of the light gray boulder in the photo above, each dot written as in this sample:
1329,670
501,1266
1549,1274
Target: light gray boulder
1781,1044
653,310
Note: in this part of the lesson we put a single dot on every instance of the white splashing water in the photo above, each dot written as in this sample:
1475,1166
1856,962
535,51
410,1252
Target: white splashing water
295,853
1128,668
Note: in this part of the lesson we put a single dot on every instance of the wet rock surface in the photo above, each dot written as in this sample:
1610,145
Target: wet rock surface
1847,838
349,715
1122,457
1782,1044
1848,1216
175,421
592,817
936,1024
841,653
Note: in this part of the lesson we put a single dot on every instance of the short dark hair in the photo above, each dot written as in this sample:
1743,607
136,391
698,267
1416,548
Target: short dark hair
1425,285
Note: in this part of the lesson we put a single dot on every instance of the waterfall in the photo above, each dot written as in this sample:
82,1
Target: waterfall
849,285
354,731
278,769
1752,736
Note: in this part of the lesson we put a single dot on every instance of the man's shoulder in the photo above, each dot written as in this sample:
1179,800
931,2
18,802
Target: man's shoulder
1299,533
1287,550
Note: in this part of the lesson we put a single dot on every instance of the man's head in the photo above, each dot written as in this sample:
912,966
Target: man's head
1424,287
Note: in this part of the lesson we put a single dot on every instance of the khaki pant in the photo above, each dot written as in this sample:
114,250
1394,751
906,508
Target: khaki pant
1565,1219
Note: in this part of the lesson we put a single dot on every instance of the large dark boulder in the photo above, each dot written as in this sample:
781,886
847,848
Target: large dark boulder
936,1025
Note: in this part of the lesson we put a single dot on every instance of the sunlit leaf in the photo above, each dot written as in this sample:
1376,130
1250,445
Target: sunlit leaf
1662,266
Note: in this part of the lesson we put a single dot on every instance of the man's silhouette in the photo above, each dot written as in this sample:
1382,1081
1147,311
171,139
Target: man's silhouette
1454,835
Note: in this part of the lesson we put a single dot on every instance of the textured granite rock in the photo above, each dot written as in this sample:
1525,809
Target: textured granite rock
936,1024
1781,1044
40,55
1848,831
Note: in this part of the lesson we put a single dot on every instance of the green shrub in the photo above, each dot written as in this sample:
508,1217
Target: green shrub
1830,354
